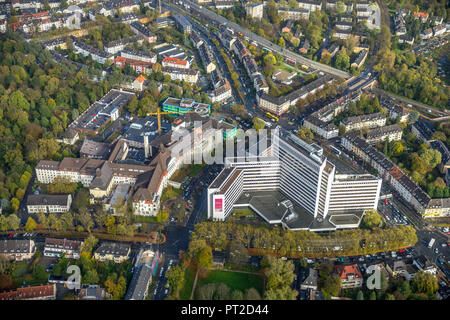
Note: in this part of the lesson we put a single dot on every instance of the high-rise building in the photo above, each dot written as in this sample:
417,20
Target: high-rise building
292,183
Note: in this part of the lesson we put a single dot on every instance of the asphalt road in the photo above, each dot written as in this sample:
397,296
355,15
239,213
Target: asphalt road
199,10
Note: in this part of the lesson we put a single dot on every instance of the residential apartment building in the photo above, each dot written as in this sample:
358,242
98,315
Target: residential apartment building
310,5
18,250
389,133
255,10
323,129
182,23
350,276
39,292
364,121
56,247
97,55
279,105
140,29
113,251
409,191
293,14
360,59
207,58
188,75
175,63
116,46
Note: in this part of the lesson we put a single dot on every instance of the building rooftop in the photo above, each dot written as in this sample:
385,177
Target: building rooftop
114,248
48,199
16,246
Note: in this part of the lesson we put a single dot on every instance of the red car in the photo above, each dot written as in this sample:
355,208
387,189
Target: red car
11,235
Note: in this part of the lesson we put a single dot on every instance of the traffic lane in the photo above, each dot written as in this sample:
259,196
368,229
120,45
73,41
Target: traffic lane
252,36
161,290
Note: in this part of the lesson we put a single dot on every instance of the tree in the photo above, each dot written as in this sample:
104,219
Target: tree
162,216
405,289
88,244
39,273
237,253
283,293
373,296
305,134
81,200
90,277
13,222
175,279
62,185
431,157
371,218
280,275
67,220
204,258
342,60
207,291
341,129
156,67
332,285
252,294
424,282
258,124
360,295
237,295
389,297
30,225
85,219
6,282
439,135
281,42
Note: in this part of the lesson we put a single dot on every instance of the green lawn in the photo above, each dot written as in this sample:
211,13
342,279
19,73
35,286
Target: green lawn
170,193
286,68
189,277
234,280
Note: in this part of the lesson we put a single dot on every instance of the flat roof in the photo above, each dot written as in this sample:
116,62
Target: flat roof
274,207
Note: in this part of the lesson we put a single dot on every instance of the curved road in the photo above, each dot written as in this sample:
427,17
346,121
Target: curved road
266,43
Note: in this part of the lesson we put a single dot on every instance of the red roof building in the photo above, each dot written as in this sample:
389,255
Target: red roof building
138,66
41,292
174,63
350,276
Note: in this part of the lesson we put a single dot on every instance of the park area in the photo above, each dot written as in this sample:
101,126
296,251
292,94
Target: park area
234,280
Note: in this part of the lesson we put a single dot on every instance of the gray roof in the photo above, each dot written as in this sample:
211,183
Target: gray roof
15,246
48,199
115,248
139,283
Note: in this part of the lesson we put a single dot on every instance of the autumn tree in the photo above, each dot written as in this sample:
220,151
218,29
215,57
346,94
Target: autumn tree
30,225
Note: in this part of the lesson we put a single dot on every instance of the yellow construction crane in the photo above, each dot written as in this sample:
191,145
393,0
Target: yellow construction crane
158,113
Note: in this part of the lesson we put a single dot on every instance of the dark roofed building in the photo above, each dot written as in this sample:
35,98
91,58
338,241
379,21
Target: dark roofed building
94,150
39,292
49,203
17,249
113,251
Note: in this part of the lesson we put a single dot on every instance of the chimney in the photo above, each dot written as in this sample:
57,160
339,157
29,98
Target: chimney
146,146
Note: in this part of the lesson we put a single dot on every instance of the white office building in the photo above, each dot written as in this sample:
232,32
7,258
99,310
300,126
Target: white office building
292,183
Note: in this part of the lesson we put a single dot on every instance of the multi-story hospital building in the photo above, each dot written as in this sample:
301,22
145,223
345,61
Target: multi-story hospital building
292,183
